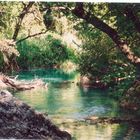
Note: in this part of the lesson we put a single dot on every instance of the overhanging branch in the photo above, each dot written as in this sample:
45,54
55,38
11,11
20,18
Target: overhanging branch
30,36
112,33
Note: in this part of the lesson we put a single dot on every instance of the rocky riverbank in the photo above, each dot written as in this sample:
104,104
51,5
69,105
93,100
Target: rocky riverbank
20,121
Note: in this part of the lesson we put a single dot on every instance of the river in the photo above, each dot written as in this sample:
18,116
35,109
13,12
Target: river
68,105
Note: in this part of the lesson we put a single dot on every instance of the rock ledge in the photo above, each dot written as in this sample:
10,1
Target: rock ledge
20,121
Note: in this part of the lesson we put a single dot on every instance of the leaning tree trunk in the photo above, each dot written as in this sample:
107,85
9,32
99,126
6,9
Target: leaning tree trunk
133,16
112,33
20,19
135,60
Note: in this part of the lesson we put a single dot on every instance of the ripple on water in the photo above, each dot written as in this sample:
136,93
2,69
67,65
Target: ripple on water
92,111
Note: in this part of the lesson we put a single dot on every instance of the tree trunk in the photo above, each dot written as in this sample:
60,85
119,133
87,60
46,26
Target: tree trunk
13,62
20,19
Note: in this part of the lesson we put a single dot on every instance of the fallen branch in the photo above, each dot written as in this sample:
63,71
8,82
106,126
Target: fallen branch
19,85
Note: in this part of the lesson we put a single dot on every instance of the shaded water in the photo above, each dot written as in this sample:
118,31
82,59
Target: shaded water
67,105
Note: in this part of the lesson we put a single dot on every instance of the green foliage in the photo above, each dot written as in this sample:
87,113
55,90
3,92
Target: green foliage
119,90
47,53
96,53
8,16
124,25
99,59
102,61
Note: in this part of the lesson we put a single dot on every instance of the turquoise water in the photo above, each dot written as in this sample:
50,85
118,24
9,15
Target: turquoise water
68,105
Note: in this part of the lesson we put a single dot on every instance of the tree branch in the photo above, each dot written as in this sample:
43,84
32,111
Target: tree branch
33,35
75,43
98,23
20,19
112,33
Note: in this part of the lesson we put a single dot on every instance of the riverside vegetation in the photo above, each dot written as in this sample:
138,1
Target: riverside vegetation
99,40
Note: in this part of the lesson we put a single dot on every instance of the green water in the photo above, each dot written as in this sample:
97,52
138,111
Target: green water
68,104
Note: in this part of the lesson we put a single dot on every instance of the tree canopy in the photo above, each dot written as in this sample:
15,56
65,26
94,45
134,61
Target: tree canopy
113,28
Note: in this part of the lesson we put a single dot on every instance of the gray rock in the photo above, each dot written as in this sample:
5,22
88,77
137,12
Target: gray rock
20,121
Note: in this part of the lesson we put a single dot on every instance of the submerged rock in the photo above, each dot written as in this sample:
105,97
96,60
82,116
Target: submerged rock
20,121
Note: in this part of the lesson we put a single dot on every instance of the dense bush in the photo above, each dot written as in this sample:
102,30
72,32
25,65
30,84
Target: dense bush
45,53
99,60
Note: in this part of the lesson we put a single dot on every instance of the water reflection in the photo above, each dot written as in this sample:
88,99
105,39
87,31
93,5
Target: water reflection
68,100
84,131
65,103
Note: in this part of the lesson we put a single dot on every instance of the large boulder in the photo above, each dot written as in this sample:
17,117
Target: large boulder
20,121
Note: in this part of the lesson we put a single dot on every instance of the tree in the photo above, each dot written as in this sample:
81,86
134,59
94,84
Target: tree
21,10
90,18
21,16
120,13
13,63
